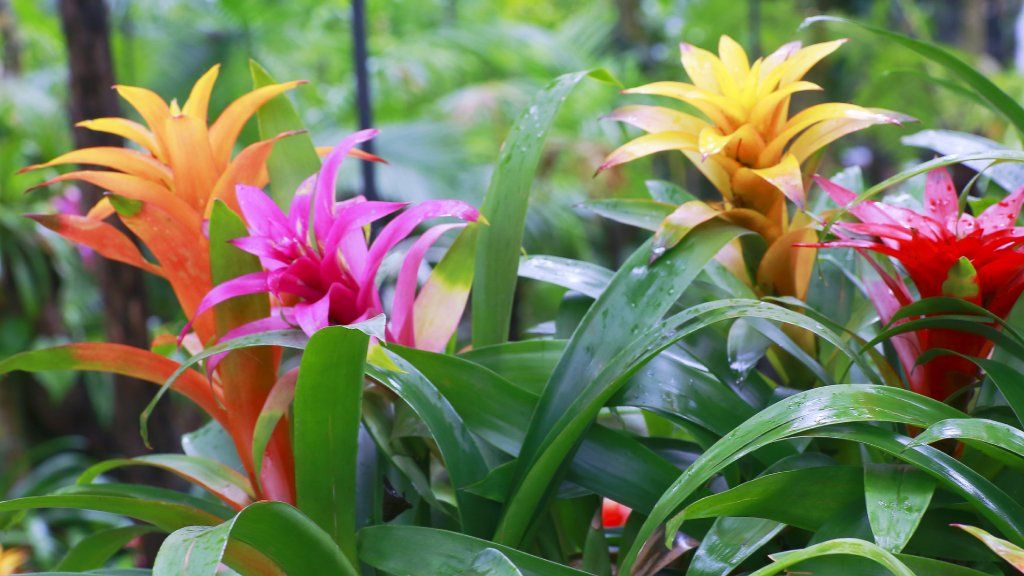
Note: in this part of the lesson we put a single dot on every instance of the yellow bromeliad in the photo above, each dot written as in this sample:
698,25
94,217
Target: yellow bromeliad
748,146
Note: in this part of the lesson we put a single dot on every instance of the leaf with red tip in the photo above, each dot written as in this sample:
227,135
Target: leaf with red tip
1006,550
105,239
118,359
214,477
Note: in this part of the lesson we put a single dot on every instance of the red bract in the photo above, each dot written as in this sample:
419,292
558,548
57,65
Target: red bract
944,253
318,263
613,514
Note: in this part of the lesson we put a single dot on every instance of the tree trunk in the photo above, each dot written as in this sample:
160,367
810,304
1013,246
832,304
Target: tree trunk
11,39
90,96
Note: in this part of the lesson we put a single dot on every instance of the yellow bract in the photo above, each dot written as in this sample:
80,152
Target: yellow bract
744,121
743,139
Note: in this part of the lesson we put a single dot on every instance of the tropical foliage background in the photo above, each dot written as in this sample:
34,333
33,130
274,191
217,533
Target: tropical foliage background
536,341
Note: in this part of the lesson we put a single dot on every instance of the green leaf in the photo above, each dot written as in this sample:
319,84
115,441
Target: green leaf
99,572
805,498
970,324
946,305
897,497
212,442
1006,550
729,542
609,463
295,339
1005,377
987,499
994,155
328,398
167,516
527,363
999,101
440,553
97,548
278,401
505,208
216,478
638,296
668,192
583,277
292,159
930,567
851,546
798,413
1008,176
638,212
596,559
974,429
491,562
280,533
463,457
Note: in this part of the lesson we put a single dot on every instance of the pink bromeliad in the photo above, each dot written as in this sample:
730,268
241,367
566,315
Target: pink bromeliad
945,253
319,265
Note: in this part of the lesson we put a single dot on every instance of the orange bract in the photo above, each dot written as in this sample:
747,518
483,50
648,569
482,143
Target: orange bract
182,166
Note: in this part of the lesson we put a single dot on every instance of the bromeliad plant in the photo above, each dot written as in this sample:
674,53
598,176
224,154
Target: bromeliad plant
659,436
749,147
947,254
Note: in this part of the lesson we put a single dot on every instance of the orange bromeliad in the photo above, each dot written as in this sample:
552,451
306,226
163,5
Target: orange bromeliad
164,193
748,146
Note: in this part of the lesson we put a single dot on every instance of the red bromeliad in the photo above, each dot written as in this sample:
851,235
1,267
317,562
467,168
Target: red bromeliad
319,267
945,253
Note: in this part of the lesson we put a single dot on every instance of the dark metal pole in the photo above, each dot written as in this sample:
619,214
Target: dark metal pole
363,92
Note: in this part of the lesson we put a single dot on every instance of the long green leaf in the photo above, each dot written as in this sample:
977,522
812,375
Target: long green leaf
505,205
897,497
281,533
583,277
942,161
608,463
463,457
729,542
638,296
1005,377
216,478
999,100
97,548
167,516
801,412
440,553
974,429
1008,176
328,399
639,212
293,159
804,498
849,546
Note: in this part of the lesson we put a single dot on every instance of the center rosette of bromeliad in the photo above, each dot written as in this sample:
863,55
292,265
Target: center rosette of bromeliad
743,138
